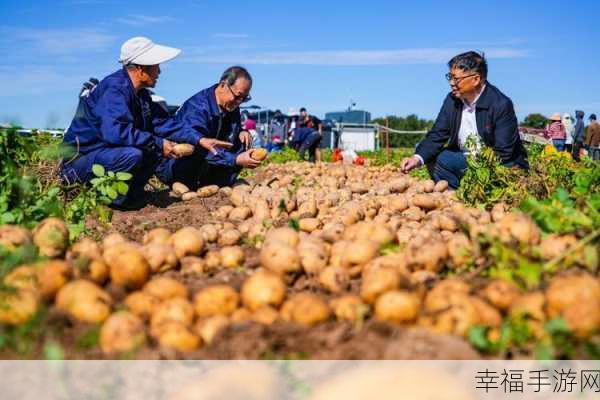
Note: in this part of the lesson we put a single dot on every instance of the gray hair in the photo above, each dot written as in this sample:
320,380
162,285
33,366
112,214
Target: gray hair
232,74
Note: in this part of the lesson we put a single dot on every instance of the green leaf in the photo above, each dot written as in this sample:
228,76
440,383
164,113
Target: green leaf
111,174
557,325
98,170
121,187
124,176
111,193
478,338
53,351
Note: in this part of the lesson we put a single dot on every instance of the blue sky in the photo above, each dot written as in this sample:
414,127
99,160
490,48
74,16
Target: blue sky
388,56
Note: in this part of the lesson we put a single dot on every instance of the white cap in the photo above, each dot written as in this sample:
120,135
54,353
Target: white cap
143,51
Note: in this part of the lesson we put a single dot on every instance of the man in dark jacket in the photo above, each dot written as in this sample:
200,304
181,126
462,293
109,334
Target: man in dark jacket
118,126
211,119
475,111
579,134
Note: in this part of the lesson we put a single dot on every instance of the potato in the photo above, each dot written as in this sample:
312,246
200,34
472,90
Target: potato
113,238
313,255
51,236
240,213
127,264
377,281
428,186
259,154
179,189
555,245
84,301
225,190
209,328
372,231
265,315
232,257
239,196
122,332
141,304
160,257
229,237
51,276
447,222
12,236
176,309
279,257
189,196
177,336
424,202
519,227
334,279
398,185
23,277
306,309
584,320
84,248
223,212
283,235
457,318
208,191
488,315
444,293
358,253
332,232
263,288
499,211
261,211
216,300
529,305
430,257
501,294
187,241
309,224
17,307
241,315
413,214
95,270
440,186
212,260
164,288
308,209
350,308
183,149
398,203
157,236
397,306
191,265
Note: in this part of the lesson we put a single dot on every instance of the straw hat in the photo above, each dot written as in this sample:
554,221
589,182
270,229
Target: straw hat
555,117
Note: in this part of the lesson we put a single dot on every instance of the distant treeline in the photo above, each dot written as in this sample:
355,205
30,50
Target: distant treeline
411,122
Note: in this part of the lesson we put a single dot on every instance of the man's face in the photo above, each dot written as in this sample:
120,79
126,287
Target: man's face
148,75
463,82
234,95
303,113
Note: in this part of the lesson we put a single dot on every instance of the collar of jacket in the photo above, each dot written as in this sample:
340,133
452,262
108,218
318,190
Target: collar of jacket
126,78
213,107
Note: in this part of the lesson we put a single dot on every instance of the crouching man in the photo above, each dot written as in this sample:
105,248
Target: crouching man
211,120
118,126
473,109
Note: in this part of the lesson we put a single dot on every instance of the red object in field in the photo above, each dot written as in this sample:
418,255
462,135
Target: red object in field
337,155
360,160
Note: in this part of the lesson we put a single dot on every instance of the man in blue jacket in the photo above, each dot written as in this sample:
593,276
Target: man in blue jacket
118,126
306,139
475,111
211,119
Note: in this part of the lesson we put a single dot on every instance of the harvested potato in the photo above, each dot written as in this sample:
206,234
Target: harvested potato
212,260
501,294
424,202
377,281
183,149
157,236
488,315
443,294
440,186
141,304
530,305
306,309
208,191
461,250
332,232
241,315
84,248
519,227
128,266
309,224
191,265
232,256
279,257
17,307
84,301
313,255
122,332
263,288
265,315
216,300
240,213
164,288
428,186
447,222
258,154
555,245
431,260
349,308
95,270
210,233
223,212
413,214
397,306
334,279
113,238
283,235
189,196
176,309
160,257
398,203
398,185
177,336
12,236
51,236
187,241
457,318
308,209
372,231
51,276
209,328
261,210
179,189
229,237
22,277
359,253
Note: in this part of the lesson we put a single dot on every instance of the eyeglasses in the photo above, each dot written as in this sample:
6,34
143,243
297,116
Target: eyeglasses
459,79
239,97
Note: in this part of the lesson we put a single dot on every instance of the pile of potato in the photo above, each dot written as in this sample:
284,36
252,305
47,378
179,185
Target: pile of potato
371,241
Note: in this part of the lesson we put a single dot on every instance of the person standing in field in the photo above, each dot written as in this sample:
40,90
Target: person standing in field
569,125
579,135
474,108
592,139
555,130
313,139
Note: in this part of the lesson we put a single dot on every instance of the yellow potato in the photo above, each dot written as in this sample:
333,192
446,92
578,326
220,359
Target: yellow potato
187,241
529,305
359,252
350,308
488,315
141,304
51,276
263,288
440,186
424,201
111,239
377,281
84,301
179,189
229,237
127,264
232,256
177,336
51,236
189,196
306,309
17,307
209,328
183,149
122,332
164,288
160,257
334,279
240,213
283,235
258,154
157,236
212,260
12,236
279,257
210,233
216,300
84,248
397,306
309,224
313,255
265,315
332,232
208,191
176,309
223,212
501,294
372,231
23,277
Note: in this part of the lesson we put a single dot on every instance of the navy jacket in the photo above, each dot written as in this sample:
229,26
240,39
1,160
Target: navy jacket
579,127
496,124
114,115
300,135
199,117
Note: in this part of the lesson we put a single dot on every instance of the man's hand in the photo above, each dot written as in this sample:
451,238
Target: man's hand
212,144
244,160
246,139
410,163
167,149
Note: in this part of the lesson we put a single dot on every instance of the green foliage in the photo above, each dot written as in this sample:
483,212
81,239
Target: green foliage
409,123
286,155
535,120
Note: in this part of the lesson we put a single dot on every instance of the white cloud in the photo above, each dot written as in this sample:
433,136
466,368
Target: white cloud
60,42
230,35
352,57
142,20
